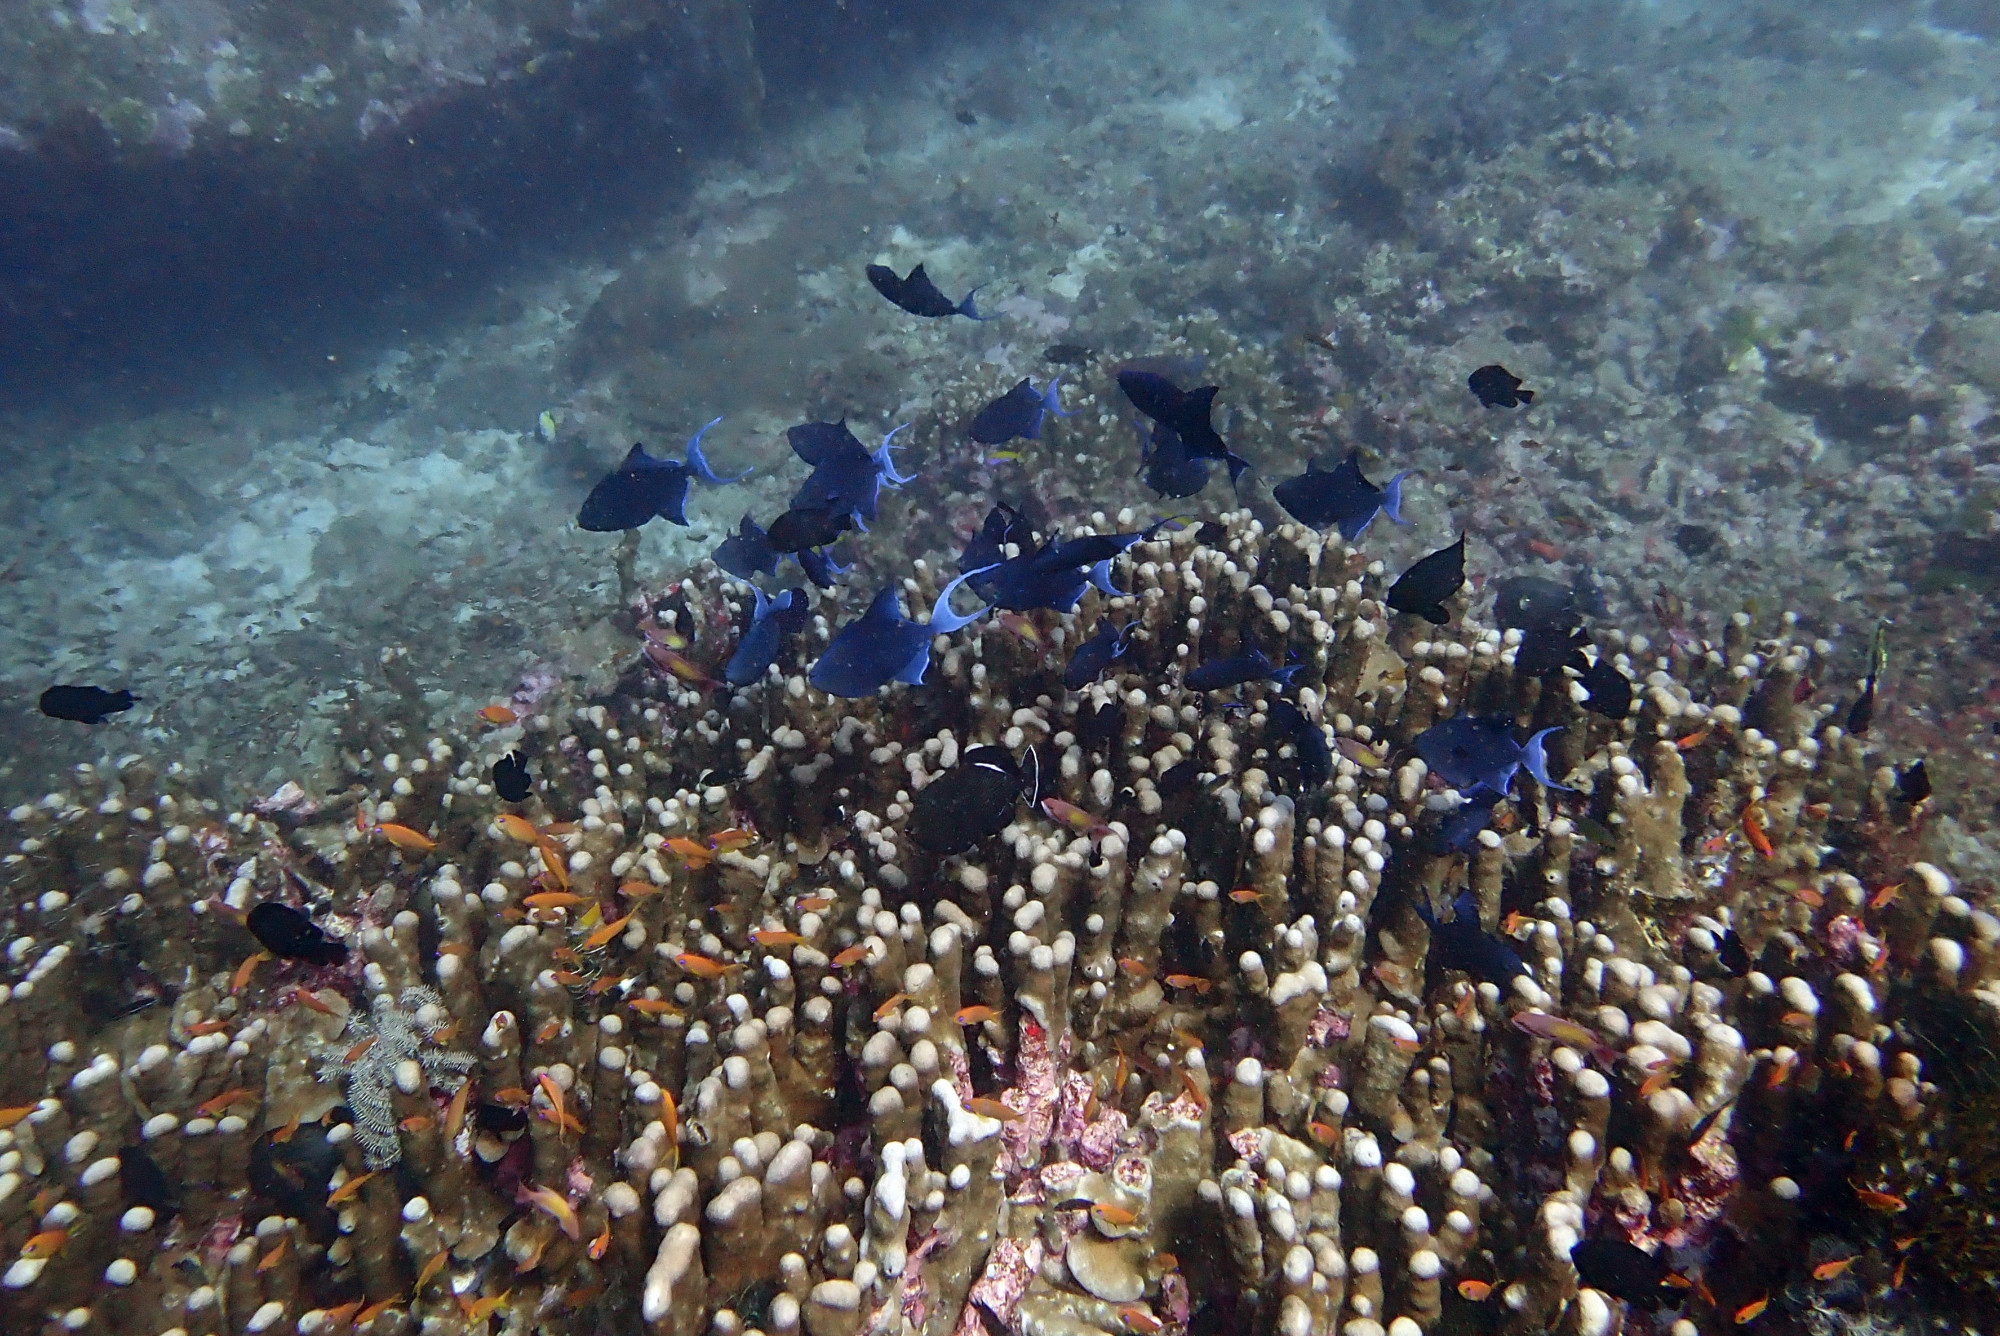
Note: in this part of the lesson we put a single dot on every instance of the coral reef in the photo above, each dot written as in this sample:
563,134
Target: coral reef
741,1055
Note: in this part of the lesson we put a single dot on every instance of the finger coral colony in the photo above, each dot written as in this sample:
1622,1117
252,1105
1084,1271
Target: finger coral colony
697,1038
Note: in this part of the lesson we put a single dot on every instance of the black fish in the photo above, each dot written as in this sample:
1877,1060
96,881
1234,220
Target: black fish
1861,714
799,529
1459,943
510,778
1096,729
1340,497
1734,956
1017,413
918,295
1094,655
1913,783
1249,666
1610,690
85,705
1186,413
971,801
746,554
289,935
1308,740
143,1183
1458,830
1528,602
642,487
1497,387
498,1119
1182,778
1624,1271
1166,466
1550,647
1422,589
770,623
1050,575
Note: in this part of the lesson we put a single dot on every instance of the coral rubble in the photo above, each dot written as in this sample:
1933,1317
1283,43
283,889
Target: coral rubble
698,1039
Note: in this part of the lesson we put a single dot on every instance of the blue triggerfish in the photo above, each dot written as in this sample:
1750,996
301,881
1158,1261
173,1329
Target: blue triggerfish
752,551
1234,671
1053,575
1497,387
883,646
968,803
642,487
1422,589
290,934
1186,415
746,553
1472,751
85,705
1308,741
1094,655
918,295
1458,830
770,623
1017,414
1458,943
1625,1271
847,477
1340,497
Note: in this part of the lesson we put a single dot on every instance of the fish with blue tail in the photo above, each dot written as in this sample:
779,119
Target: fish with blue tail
1341,497
1017,414
1189,439
1307,738
1251,665
1052,574
847,477
751,551
642,488
1458,943
1106,645
747,553
770,622
919,295
883,646
1472,752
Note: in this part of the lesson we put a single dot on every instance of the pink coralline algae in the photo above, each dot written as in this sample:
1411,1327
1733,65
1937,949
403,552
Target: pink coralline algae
1009,1268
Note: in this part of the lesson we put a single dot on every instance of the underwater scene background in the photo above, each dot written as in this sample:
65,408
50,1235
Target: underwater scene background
1509,850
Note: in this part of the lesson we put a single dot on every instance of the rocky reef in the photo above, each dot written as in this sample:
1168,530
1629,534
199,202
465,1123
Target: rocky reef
739,1055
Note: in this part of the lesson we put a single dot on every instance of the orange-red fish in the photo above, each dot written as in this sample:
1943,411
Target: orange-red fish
1111,1213
602,937
519,827
373,1311
633,890
1512,923
285,1133
348,1189
354,1054
9,1117
241,1095
1884,896
1781,1068
1751,1311
1828,1270
478,1310
702,967
812,904
1139,1318
1658,1081
681,667
853,955
1795,1018
1134,967
336,1316
200,1028
568,979
553,1093
1194,981
558,1208
1194,1090
670,1117
273,1257
454,1114
1020,626
577,1299
549,1030
605,983
728,841
45,1244
1405,1044
1885,1202
1078,820
775,937
307,998
409,841
601,1242
652,1006
976,1014
555,900
895,1000
1896,1280
455,949
1324,1133
498,715
1544,1026
1246,895
1753,830
692,855
432,1267
513,1097
1474,1290
1809,897
418,1122
992,1108
1691,740
241,978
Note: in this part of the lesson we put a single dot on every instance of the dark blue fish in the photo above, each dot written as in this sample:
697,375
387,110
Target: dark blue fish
1341,497
1186,413
144,1183
1497,387
803,527
85,705
1308,741
1052,575
1528,602
747,553
770,623
1094,655
642,487
1017,413
510,777
1473,752
883,646
1459,944
1549,648
847,477
1424,587
1004,526
289,934
1165,464
819,566
1458,830
1234,671
918,295
1610,690
1624,1271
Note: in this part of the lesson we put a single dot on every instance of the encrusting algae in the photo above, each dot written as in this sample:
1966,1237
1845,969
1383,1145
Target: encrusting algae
698,1039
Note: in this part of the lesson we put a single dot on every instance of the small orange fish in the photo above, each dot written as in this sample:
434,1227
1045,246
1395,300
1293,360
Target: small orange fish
549,1030
568,978
418,1122
460,949
373,1311
1753,830
1405,1045
208,1027
555,900
1111,1213
1795,1018
1678,1281
1904,1245
1474,1290
976,1014
285,1133
853,955
1809,897
652,1006
680,666
776,937
1828,1270
1781,1070
1847,1142
812,904
605,983
552,1092
1658,1081
1324,1133
1134,967
478,1310
1139,1318
1896,1280
895,1000
498,715
273,1257
567,956
354,1054
305,997
702,967
347,1189
45,1244
1194,1090
558,1208
519,827
1194,981
239,980
1885,1202
692,855
1512,923
602,937
241,1095
992,1108
513,1097
577,1299
1020,626
1751,1311
1691,741
336,1316
409,841
1707,1295
432,1267
634,890
670,1117
601,1243
9,1117
454,1114
1885,896
1246,895
561,828
729,841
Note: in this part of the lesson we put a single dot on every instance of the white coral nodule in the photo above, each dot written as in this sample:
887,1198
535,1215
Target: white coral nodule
399,1028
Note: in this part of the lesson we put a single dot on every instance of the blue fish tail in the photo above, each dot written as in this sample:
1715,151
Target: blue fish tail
1237,464
1392,498
887,466
943,620
1124,639
1536,758
1100,575
698,465
763,608
1051,403
966,308
1283,676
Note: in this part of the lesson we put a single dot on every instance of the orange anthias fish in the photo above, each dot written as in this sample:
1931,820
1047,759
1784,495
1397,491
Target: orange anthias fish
728,841
1828,1270
1886,1202
1753,830
1139,1318
702,967
336,1316
1078,820
478,1310
273,1257
1884,896
634,890
519,827
992,1108
1246,895
409,841
1544,1026
652,1006
775,937
1194,981
556,900
241,978
692,855
498,715
1750,1312
853,955
1111,1213
1474,1290
558,1208
895,1000
432,1267
347,1189
1324,1133
9,1117
601,1243
242,1095
45,1244
812,904
977,1014
454,1114
602,937
373,1311
682,667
